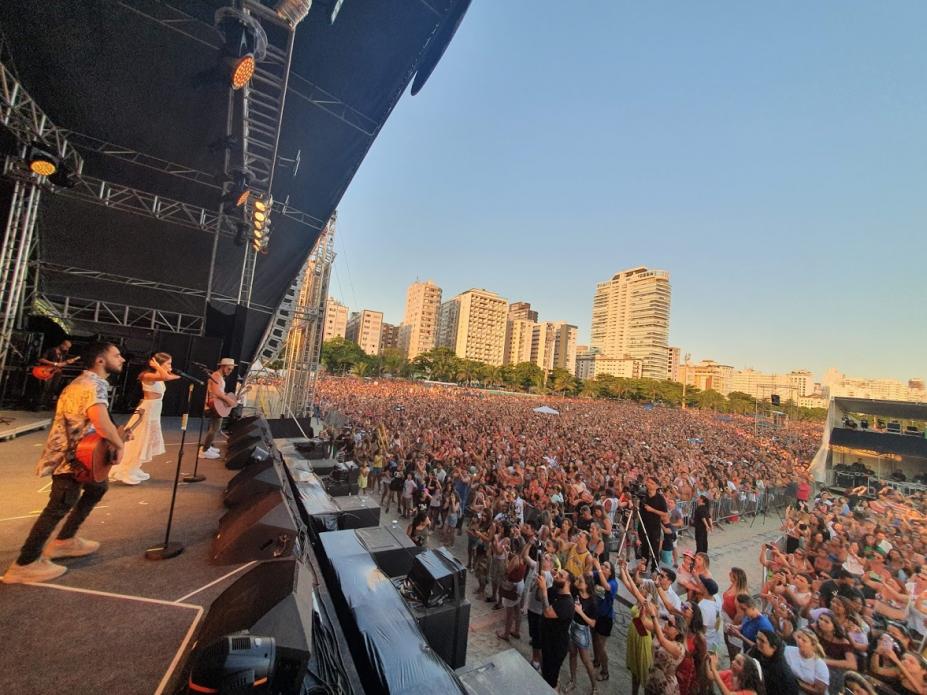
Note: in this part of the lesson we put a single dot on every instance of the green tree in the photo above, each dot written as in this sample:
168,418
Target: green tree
394,362
527,375
561,381
340,355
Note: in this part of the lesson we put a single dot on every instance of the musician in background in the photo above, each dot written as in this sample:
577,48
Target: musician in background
82,407
215,390
56,358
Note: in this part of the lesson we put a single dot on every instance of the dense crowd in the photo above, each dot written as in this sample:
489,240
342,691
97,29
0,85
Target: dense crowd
543,500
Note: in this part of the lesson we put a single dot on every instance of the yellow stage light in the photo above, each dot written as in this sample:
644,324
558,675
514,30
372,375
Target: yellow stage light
242,71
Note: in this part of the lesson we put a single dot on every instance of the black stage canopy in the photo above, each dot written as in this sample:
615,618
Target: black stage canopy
130,75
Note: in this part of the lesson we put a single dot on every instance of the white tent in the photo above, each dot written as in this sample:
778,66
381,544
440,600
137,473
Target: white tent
546,410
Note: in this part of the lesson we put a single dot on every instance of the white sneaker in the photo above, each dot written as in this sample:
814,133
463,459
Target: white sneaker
41,570
208,455
213,450
126,481
142,475
72,547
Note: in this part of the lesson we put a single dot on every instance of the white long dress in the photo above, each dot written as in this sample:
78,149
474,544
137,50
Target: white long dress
147,440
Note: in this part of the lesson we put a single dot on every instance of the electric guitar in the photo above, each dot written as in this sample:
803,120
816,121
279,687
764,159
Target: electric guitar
96,455
222,408
44,372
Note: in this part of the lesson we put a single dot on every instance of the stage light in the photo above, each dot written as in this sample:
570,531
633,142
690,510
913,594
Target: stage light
242,71
41,161
239,192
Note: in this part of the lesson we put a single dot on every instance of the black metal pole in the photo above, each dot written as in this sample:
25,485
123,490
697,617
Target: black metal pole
195,477
167,549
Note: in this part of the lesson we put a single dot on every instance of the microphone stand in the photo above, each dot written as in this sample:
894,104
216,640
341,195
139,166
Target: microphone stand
168,549
195,477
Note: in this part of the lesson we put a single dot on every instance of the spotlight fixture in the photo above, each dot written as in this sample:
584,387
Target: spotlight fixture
244,44
260,224
239,192
41,161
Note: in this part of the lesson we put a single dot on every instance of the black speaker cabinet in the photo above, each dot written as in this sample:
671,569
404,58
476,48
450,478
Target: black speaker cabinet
246,437
285,428
313,449
437,575
504,672
272,599
251,482
245,423
446,628
391,548
357,512
260,530
339,489
248,456
345,472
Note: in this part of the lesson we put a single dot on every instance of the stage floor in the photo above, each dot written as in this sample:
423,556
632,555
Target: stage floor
114,621
15,423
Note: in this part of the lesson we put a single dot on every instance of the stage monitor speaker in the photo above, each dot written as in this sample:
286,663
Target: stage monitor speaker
273,599
246,423
437,576
504,672
251,482
345,472
261,530
241,436
336,488
248,456
357,512
391,548
313,449
445,628
286,427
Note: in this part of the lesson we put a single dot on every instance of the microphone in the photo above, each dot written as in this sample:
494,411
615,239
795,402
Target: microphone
182,374
200,365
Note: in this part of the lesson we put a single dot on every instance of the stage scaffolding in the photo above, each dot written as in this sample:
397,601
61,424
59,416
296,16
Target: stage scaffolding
297,330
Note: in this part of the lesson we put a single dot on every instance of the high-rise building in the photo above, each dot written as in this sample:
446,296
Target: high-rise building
565,346
591,364
479,328
630,317
672,369
542,345
789,387
448,312
336,319
364,328
518,333
418,331
522,310
838,385
389,337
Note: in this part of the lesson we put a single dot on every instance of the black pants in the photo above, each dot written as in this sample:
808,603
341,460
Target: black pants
553,652
215,421
67,495
701,540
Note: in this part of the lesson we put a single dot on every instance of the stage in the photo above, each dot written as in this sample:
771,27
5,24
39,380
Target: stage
114,621
15,423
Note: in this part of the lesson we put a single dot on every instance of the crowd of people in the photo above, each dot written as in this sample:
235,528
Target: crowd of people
543,502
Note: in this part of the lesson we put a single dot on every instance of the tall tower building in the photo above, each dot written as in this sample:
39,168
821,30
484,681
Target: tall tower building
365,328
336,320
630,317
543,339
672,368
480,326
389,337
518,335
419,328
522,310
565,346
448,313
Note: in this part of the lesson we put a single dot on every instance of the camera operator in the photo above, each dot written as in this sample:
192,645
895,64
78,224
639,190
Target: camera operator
654,513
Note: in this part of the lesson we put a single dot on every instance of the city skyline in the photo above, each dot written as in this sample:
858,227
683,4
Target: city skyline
771,158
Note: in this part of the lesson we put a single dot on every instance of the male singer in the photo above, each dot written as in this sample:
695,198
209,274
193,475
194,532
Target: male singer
215,390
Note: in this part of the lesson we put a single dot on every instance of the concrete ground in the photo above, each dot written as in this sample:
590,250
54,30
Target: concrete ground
731,545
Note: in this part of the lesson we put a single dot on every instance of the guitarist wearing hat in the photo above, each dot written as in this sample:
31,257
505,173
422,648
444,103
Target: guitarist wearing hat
215,391
82,406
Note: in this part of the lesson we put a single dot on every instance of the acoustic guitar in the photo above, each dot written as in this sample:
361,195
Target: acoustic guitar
44,372
96,455
222,408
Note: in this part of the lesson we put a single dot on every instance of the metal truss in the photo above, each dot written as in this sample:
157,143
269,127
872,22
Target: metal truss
304,338
24,118
139,282
96,311
135,201
14,260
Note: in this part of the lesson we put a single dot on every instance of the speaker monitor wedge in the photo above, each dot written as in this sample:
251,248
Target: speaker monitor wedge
237,460
437,575
251,482
260,530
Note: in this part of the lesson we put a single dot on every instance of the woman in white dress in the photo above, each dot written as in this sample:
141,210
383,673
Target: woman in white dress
147,441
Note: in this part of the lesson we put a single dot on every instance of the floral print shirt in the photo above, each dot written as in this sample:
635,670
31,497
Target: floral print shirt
71,423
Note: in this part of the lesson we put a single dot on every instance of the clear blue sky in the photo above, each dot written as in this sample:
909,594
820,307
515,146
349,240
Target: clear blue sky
771,155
